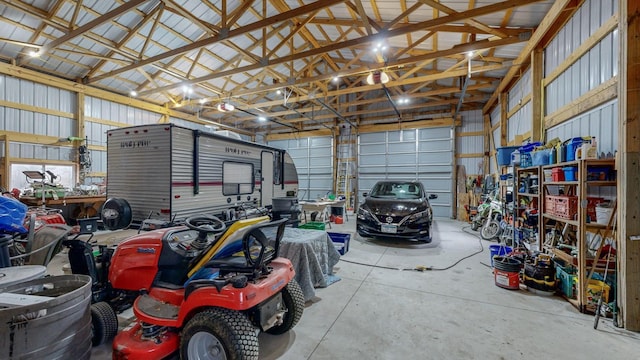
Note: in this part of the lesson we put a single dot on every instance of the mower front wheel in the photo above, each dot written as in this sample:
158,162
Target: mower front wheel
104,323
293,300
219,334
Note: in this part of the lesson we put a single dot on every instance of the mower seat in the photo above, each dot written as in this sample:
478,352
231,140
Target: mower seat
260,245
225,245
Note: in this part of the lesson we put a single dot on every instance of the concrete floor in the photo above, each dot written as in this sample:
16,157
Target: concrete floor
378,313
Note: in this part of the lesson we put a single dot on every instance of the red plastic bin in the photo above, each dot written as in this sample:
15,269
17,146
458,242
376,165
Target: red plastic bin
557,174
564,206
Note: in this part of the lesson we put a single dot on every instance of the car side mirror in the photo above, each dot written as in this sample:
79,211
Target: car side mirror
365,194
433,196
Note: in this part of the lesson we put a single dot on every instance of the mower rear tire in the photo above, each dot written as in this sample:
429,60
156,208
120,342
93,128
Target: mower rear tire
219,334
293,300
104,323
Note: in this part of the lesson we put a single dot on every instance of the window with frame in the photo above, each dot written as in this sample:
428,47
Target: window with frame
237,178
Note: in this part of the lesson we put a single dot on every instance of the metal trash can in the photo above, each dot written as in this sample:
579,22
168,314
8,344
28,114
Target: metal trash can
48,318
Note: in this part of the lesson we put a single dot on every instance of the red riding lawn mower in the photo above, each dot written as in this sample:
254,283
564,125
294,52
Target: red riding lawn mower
205,292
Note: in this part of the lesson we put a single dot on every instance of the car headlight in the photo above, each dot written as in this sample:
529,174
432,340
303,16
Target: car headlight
364,214
419,216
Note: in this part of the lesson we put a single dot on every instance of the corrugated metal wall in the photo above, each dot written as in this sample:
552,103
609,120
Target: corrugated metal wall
418,154
597,66
472,121
520,122
313,158
16,92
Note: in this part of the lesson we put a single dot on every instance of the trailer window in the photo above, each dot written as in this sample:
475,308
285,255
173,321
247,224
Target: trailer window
277,168
237,178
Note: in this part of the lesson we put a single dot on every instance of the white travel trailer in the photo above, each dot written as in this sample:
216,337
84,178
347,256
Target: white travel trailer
168,172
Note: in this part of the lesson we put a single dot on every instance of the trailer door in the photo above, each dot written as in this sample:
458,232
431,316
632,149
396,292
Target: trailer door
266,183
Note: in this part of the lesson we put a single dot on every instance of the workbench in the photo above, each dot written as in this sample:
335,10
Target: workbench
73,207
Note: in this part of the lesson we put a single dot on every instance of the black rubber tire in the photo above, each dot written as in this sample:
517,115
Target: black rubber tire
116,214
490,231
230,328
104,323
293,299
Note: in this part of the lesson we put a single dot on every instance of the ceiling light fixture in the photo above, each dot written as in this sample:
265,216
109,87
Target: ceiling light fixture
336,79
34,53
202,101
377,77
278,91
470,53
133,93
225,107
262,118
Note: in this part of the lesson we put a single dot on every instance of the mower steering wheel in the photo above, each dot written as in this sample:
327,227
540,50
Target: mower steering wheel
205,224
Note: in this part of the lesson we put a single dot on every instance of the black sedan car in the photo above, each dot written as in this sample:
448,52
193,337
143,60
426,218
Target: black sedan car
397,209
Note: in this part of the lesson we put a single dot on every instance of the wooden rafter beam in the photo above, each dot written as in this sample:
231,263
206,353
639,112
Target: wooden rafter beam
130,34
215,39
441,7
474,46
92,24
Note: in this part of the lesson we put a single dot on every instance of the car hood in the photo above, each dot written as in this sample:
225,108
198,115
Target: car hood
394,207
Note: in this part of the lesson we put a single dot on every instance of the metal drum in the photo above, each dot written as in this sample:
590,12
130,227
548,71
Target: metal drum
48,318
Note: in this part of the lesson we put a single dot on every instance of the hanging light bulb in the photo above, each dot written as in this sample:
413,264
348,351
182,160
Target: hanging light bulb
377,77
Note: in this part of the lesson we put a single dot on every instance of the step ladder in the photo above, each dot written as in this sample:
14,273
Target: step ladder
346,165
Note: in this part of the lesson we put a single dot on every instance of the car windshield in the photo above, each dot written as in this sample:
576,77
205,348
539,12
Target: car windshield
397,190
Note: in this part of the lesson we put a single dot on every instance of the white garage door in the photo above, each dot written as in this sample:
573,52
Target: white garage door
426,155
313,158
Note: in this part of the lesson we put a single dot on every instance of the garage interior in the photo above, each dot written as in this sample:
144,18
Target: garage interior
528,102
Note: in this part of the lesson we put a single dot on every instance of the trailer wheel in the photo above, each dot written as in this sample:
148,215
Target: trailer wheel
219,334
104,323
294,302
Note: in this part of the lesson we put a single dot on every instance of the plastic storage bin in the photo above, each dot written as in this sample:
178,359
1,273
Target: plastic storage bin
548,175
566,279
340,241
504,155
570,173
540,157
557,174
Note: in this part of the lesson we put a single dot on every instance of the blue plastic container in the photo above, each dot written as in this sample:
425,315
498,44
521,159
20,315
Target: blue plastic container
570,173
504,155
572,146
12,213
340,241
499,250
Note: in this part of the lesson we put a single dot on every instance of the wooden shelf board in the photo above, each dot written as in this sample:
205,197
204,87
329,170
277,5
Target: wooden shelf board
561,183
562,164
570,222
602,183
527,194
